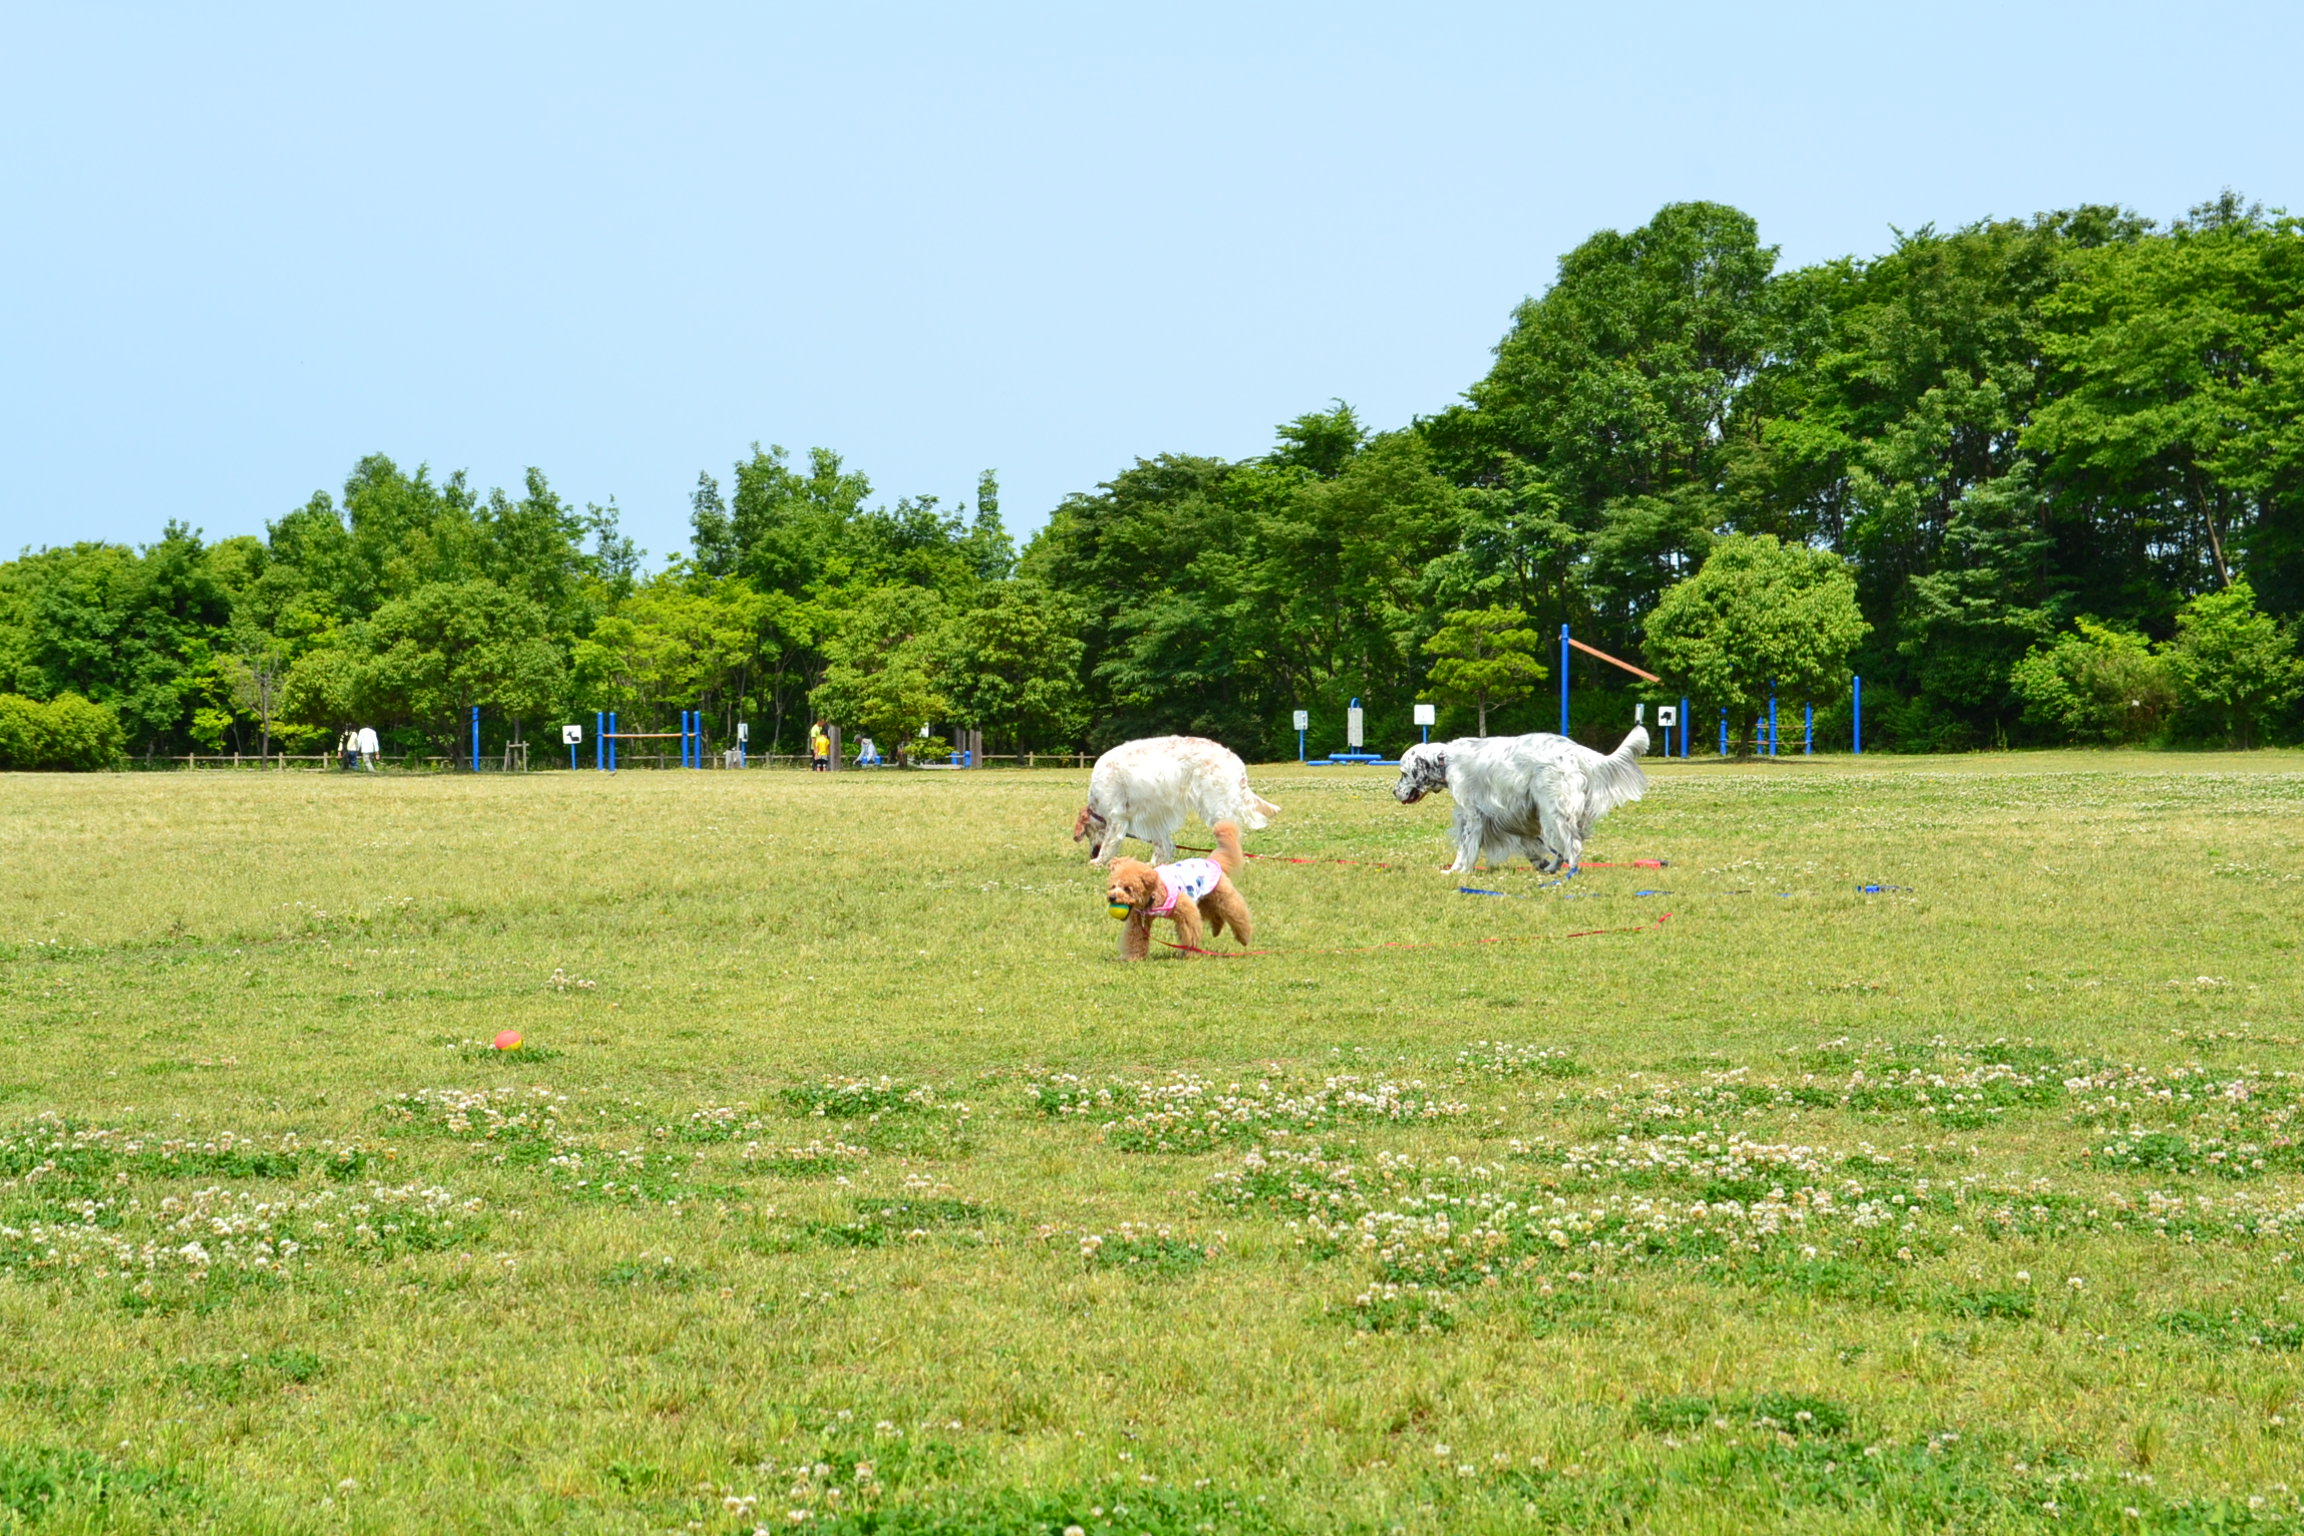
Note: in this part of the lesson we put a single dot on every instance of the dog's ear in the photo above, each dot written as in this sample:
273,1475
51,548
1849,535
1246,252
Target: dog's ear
1080,822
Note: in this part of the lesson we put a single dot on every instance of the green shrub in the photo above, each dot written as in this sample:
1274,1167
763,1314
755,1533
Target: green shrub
2235,665
2097,685
67,732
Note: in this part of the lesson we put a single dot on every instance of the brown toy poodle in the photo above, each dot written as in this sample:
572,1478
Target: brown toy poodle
1184,892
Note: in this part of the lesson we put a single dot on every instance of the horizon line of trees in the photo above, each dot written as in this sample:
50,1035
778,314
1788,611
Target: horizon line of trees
2037,480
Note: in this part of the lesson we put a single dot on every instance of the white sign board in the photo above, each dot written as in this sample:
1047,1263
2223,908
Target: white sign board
1303,719
1426,714
743,730
1352,737
1667,715
571,735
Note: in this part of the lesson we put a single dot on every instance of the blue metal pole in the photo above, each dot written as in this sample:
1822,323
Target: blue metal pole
1771,719
1299,746
1723,730
1684,723
1808,732
1563,679
1859,717
599,740
475,738
611,741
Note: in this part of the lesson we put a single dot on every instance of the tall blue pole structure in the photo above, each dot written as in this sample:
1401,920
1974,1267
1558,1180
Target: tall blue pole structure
1771,717
1563,679
1859,717
611,741
475,738
1723,731
1808,732
1684,724
599,741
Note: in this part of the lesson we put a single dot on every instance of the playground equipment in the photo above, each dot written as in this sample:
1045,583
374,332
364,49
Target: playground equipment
1355,737
1566,642
605,736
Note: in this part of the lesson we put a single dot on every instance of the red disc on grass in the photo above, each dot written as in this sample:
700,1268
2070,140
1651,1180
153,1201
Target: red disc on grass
507,1041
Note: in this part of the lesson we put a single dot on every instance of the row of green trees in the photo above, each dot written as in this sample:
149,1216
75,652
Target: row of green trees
2037,480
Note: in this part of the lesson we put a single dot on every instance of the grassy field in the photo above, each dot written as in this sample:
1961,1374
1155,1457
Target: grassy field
848,1182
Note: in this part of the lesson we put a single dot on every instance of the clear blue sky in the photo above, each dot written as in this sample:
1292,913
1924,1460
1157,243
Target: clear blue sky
243,246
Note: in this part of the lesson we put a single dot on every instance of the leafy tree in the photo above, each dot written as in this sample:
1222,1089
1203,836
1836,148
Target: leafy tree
2096,684
1618,387
1487,657
1012,661
1761,614
448,646
884,679
322,690
2235,662
2163,350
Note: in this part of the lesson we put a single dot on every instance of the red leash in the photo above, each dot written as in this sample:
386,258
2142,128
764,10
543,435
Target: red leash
1369,949
1284,858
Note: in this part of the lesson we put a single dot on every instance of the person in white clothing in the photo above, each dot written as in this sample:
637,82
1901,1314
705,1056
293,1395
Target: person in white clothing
368,748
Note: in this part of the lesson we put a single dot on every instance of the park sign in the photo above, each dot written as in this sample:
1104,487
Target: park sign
571,735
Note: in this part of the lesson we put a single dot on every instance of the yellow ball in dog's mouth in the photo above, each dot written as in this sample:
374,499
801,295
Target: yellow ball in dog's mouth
1117,910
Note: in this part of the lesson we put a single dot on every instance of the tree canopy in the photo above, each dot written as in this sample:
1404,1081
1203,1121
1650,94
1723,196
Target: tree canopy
2037,480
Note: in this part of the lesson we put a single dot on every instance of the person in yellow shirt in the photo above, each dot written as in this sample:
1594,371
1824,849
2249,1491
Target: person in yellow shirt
819,748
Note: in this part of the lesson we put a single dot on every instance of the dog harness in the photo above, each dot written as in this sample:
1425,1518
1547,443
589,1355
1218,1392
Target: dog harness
1186,880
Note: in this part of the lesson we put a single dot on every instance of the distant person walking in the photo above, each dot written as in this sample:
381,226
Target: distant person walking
819,748
368,748
348,750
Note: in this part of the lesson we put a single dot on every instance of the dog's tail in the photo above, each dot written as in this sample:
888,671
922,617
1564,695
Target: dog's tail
1227,850
1617,778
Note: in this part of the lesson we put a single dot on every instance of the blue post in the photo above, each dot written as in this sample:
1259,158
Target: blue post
691,753
1723,730
1808,733
599,741
611,741
1299,746
1771,718
683,738
1859,717
1563,679
475,738
1684,723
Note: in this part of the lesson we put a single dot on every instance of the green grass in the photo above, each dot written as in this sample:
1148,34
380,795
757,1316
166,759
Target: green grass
843,1142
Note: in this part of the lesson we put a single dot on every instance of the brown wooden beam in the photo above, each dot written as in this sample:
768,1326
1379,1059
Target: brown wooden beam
1612,661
